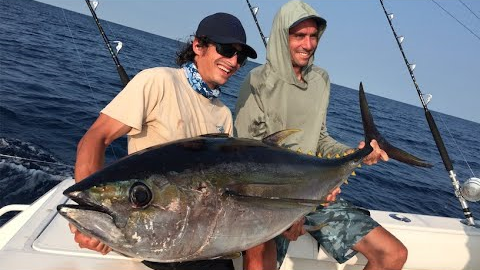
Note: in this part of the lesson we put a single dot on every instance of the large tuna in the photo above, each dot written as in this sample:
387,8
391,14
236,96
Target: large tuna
208,196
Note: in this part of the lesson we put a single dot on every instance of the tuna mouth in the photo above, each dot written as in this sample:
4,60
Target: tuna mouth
86,217
65,207
88,206
72,211
84,203
92,221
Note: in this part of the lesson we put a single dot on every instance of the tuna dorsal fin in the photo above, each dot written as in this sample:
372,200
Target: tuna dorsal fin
276,138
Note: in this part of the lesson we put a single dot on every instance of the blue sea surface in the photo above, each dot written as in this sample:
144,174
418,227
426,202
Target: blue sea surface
56,75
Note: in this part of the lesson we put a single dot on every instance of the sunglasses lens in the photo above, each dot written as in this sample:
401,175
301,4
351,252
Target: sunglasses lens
241,58
228,50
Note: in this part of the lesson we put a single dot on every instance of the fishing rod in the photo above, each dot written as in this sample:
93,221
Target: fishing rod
254,11
121,71
460,193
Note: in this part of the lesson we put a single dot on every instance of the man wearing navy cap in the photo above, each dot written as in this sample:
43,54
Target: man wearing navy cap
164,104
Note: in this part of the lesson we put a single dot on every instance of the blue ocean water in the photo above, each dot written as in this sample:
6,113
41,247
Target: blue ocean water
56,75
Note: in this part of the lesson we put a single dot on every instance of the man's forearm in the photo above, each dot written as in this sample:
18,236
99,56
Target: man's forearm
90,157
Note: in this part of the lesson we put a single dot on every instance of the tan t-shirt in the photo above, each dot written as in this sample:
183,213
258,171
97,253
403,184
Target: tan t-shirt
161,106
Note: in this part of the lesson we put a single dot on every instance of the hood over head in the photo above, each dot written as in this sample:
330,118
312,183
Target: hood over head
278,52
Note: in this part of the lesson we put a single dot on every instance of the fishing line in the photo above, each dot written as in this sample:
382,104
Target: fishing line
469,9
456,145
36,160
81,62
85,73
478,37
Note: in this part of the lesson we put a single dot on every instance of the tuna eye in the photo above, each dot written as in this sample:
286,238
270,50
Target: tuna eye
140,195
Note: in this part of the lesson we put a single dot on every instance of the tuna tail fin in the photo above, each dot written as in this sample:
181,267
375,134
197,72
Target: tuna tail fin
371,133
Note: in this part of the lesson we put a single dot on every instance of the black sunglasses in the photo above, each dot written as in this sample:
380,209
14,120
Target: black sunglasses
228,50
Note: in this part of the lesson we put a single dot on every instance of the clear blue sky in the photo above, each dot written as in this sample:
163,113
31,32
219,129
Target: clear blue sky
357,46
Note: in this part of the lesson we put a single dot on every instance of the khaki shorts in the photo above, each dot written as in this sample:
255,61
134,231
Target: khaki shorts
345,225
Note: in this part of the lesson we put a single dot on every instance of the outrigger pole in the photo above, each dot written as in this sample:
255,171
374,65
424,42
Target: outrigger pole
254,11
433,127
121,71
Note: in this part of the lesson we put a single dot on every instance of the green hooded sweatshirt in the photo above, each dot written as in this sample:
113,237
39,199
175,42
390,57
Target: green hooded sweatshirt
273,99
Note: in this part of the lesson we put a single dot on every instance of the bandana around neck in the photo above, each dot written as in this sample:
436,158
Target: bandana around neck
197,82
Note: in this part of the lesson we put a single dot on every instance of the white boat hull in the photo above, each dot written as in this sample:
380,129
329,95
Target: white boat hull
38,238
433,243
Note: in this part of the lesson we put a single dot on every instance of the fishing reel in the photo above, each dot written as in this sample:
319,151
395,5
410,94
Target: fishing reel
470,190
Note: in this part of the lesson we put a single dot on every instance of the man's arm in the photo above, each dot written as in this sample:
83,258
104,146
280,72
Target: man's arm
91,158
91,148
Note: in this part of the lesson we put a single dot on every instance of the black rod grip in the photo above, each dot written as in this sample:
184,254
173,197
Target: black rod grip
123,75
438,141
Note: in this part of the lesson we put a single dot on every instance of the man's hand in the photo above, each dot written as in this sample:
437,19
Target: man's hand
295,230
332,196
376,155
89,242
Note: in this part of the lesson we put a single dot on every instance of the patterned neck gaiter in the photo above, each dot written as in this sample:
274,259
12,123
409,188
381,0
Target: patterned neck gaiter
197,82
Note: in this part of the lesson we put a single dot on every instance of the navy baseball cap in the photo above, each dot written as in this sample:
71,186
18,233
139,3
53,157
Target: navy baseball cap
225,28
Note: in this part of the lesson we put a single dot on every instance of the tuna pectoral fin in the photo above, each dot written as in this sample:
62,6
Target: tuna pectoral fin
228,256
371,133
276,138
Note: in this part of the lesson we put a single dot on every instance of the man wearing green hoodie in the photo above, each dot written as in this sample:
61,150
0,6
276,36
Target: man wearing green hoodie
290,92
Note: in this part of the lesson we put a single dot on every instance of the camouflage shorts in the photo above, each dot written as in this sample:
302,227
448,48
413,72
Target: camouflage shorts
345,225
